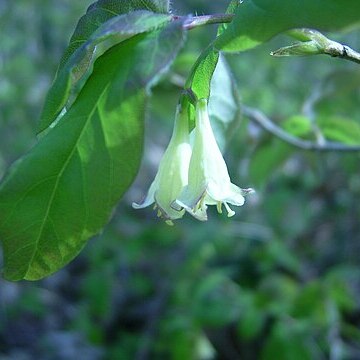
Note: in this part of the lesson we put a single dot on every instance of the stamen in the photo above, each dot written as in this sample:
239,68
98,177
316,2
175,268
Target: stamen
197,206
202,204
159,213
219,205
174,205
169,222
155,206
230,212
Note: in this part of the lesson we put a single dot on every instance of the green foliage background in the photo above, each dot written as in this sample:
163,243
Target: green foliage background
278,281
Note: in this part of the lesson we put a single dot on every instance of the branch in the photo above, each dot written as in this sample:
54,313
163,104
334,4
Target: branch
348,54
313,42
262,120
309,112
197,21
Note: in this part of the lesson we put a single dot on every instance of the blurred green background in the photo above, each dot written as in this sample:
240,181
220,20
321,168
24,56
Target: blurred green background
280,280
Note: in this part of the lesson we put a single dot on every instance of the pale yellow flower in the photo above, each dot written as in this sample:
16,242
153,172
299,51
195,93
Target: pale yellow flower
172,175
209,181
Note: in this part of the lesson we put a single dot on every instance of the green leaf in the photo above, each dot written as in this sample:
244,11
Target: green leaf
256,21
64,190
199,80
103,10
298,49
298,125
339,282
267,159
276,293
215,293
81,54
311,304
251,324
201,74
252,319
100,12
342,82
290,340
271,155
340,129
162,6
224,108
230,10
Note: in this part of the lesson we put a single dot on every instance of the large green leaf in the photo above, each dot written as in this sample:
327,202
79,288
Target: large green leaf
256,21
84,49
64,190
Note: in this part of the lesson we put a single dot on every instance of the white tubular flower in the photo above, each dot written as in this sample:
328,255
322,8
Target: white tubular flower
209,181
172,175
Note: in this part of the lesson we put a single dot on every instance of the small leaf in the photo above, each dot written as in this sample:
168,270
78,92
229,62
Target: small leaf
340,129
256,21
201,75
199,80
202,72
298,49
298,125
64,190
315,43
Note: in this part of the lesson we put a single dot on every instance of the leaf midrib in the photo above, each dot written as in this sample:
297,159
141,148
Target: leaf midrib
58,177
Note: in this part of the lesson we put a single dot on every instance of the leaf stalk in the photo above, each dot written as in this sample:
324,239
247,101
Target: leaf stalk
196,21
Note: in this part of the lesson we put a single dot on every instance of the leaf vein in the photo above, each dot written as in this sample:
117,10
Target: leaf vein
58,177
24,196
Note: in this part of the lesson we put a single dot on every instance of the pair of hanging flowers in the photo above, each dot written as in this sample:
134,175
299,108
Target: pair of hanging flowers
192,177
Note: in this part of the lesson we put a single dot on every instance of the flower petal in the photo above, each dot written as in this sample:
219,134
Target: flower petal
199,214
168,212
188,199
150,197
235,196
